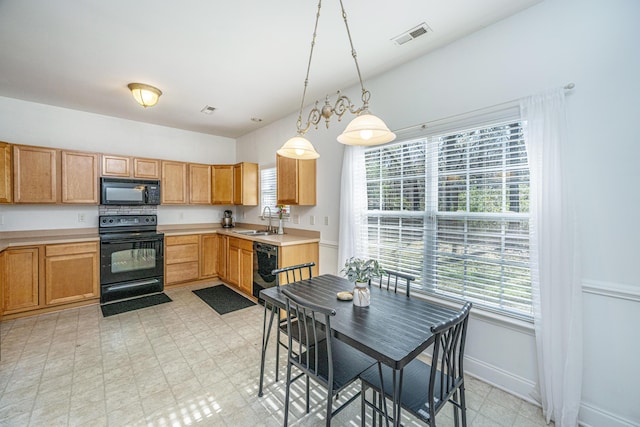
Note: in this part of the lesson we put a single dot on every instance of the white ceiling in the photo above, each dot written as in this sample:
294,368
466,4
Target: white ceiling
246,58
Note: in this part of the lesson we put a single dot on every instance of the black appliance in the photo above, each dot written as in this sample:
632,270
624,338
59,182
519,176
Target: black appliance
265,260
131,256
119,191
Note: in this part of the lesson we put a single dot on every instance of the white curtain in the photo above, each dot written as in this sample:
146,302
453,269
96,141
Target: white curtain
557,293
353,201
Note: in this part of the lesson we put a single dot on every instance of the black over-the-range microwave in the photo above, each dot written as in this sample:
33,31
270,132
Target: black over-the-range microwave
121,191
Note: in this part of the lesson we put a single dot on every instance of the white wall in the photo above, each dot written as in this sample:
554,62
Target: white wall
29,123
593,44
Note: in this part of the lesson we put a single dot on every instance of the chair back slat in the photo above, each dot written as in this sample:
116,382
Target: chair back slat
308,315
293,273
390,280
448,352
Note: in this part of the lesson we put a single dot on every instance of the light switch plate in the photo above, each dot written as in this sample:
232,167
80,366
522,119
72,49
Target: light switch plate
296,219
312,219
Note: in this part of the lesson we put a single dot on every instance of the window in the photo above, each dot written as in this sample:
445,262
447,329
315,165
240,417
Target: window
452,208
268,192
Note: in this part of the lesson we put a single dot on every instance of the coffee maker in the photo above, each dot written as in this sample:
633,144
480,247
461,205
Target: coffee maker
227,220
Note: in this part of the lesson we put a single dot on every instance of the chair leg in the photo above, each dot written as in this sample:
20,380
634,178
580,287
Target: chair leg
307,393
456,420
277,343
286,398
363,390
463,406
329,405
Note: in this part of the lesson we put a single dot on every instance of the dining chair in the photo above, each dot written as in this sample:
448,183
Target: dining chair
390,279
330,362
285,276
425,388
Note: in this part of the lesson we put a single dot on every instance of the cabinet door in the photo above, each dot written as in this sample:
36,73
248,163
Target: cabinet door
246,275
296,181
71,273
174,183
222,184
208,255
233,268
146,168
6,188
245,184
223,256
35,174
79,177
21,278
199,184
116,165
287,180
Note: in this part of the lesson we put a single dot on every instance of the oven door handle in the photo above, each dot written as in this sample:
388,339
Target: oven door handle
132,240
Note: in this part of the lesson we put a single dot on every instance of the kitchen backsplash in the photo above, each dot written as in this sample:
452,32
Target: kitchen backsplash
127,210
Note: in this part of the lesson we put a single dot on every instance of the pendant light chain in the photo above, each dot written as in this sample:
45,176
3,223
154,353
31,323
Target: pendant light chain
365,93
306,79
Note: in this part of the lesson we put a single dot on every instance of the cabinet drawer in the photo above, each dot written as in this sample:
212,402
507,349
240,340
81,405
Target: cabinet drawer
182,253
182,272
181,240
71,248
247,245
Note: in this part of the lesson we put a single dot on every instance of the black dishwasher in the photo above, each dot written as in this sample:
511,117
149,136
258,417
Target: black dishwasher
265,260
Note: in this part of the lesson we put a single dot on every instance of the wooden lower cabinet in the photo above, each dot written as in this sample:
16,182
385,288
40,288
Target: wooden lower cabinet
71,273
182,258
240,265
44,276
21,278
208,255
223,256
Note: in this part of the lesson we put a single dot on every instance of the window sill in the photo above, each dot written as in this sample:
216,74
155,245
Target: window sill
488,316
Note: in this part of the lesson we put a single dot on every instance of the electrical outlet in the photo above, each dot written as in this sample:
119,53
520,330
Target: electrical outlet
312,219
1,219
326,220
81,217
296,219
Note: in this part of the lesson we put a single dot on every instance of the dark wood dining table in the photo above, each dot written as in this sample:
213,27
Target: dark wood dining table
394,329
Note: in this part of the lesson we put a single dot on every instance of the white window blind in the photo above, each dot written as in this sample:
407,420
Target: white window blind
453,210
268,192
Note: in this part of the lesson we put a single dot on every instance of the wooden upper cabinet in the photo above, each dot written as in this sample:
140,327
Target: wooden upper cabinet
199,184
174,183
130,167
146,168
80,177
245,184
35,174
222,184
6,174
296,180
116,166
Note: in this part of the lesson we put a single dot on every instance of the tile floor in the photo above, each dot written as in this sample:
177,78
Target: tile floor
176,364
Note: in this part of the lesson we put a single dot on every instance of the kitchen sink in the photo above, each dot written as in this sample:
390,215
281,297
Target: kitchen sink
253,232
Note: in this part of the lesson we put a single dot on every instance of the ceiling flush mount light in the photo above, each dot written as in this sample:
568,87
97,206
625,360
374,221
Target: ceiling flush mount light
365,129
145,95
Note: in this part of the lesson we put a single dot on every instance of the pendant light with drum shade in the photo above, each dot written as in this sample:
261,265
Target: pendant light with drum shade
366,129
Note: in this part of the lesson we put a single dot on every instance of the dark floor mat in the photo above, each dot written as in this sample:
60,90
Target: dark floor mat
133,304
222,299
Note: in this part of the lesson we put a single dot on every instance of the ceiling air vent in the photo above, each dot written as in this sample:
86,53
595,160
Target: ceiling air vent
413,33
208,109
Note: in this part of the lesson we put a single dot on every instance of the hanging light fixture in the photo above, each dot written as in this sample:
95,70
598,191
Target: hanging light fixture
365,129
145,95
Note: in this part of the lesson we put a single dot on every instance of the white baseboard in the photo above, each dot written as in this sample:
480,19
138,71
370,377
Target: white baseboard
591,416
500,378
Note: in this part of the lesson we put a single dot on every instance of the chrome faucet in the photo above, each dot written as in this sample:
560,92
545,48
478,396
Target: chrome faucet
268,226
